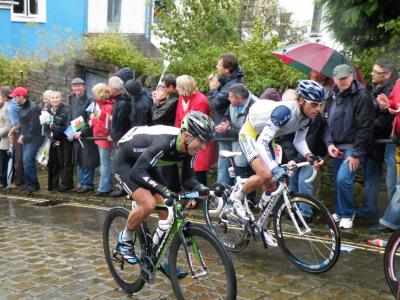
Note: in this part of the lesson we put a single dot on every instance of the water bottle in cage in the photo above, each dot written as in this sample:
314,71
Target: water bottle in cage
162,228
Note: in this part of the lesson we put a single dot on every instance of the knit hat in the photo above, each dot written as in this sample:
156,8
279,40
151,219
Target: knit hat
125,74
133,87
271,94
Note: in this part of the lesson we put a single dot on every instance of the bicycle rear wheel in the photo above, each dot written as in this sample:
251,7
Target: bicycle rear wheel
233,235
316,250
127,276
214,274
391,263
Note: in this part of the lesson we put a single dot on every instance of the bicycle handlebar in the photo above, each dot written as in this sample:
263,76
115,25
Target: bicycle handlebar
304,164
184,196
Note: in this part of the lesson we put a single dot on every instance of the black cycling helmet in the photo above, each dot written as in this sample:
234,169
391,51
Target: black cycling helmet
198,125
311,91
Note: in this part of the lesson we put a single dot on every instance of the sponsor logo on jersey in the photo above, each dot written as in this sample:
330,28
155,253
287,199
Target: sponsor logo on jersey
280,116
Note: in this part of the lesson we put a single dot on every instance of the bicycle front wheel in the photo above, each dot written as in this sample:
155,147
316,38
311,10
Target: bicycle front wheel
314,246
211,272
233,235
127,276
391,263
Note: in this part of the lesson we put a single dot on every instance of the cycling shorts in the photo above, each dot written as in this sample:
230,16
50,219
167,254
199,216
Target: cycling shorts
122,165
250,147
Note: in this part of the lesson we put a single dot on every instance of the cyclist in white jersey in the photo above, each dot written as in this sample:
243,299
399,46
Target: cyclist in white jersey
267,120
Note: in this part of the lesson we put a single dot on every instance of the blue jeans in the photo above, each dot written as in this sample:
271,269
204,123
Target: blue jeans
29,158
372,182
105,181
344,180
391,174
391,217
85,177
223,165
298,185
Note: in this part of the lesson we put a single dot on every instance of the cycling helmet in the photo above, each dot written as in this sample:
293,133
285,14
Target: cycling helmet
311,91
198,125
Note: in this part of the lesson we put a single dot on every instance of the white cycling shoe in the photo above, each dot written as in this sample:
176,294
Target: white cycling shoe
268,239
240,210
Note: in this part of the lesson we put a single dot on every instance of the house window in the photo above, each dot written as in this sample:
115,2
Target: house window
29,11
114,13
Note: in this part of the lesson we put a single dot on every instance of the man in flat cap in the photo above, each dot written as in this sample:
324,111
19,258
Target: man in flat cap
85,154
347,133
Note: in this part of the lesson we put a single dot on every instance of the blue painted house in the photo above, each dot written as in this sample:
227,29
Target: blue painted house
27,25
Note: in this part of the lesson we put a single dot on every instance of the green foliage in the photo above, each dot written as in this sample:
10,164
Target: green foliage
262,69
199,63
115,49
355,23
13,71
191,24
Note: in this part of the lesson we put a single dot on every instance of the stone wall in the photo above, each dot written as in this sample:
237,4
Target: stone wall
55,76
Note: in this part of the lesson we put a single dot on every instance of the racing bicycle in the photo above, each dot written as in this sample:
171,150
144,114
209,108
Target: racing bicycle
310,243
391,263
192,247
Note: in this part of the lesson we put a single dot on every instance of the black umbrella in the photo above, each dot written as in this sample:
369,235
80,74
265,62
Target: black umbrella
10,166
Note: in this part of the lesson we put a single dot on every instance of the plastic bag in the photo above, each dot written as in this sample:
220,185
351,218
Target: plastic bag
42,157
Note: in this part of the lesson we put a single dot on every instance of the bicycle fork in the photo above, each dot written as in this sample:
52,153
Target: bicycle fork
292,209
189,242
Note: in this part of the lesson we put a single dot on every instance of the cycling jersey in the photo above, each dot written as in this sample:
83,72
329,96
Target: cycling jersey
143,148
267,120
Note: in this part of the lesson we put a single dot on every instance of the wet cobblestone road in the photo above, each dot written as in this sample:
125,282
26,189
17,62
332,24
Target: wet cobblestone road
56,253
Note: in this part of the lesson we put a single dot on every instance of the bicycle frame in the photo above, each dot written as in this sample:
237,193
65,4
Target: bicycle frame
158,252
282,190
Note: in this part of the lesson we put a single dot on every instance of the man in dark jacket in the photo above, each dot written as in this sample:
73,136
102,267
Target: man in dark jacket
384,77
165,100
30,137
141,104
229,74
347,134
121,109
85,153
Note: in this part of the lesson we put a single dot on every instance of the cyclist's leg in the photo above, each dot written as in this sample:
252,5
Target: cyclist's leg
146,203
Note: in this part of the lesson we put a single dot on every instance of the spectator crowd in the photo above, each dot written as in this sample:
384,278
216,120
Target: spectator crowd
81,133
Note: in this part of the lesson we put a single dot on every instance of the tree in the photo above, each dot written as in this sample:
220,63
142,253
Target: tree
186,24
271,19
355,23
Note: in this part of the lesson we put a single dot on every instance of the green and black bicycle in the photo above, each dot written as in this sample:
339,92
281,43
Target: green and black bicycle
192,247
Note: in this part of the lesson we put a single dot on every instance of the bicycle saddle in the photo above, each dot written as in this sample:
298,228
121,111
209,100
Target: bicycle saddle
228,154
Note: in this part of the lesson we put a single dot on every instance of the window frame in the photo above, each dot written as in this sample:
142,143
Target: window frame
40,17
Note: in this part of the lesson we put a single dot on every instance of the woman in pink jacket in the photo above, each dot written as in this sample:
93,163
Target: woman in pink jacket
190,98
100,119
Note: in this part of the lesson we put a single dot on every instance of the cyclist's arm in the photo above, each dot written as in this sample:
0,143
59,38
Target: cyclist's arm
265,138
140,175
189,181
280,116
300,142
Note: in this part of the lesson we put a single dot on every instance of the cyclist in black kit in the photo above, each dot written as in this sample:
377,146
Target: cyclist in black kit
140,149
